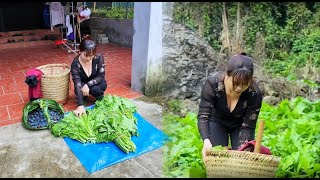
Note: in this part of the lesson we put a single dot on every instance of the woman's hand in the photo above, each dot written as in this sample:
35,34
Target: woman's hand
206,146
79,111
85,90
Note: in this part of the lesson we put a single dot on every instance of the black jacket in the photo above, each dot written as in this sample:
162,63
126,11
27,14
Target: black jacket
214,107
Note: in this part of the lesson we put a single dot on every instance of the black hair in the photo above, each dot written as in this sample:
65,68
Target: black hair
88,45
240,68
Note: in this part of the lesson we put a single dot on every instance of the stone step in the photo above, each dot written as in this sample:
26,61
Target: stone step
4,40
26,44
29,32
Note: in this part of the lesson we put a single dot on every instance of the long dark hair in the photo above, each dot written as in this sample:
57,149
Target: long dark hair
240,68
88,45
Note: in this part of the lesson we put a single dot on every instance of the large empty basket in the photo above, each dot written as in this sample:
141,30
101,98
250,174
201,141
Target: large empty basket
55,82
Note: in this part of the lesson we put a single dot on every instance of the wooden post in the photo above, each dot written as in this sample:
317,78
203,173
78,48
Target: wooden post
127,10
259,137
94,7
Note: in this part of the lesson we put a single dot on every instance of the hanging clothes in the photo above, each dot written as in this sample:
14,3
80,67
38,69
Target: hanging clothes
56,14
69,26
46,16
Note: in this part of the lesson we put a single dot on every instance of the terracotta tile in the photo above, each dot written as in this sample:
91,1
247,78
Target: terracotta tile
32,64
1,91
71,102
5,70
7,82
17,120
20,80
17,74
6,123
70,108
4,114
17,68
117,90
20,87
16,110
133,95
3,63
10,99
25,97
114,81
5,75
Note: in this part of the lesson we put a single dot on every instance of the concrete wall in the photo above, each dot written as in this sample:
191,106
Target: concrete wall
119,31
140,46
147,48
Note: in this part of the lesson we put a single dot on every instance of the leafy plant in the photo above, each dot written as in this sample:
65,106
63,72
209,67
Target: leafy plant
182,154
111,119
114,13
292,133
175,106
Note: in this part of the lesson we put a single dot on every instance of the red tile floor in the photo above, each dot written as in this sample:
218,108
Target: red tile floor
14,63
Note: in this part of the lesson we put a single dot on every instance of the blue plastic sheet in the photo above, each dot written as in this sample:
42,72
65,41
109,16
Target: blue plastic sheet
95,157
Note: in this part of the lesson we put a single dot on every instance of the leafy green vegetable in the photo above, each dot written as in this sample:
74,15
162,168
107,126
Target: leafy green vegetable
182,154
111,119
292,132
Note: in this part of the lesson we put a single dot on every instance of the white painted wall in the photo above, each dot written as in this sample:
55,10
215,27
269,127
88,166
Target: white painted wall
147,45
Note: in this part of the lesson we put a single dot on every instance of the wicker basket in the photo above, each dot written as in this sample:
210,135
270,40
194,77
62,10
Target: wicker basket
240,164
55,82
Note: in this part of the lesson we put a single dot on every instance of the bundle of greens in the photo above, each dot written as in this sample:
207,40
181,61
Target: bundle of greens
111,119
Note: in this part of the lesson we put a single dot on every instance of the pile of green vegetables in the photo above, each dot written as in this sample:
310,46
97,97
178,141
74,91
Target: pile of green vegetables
111,120
41,114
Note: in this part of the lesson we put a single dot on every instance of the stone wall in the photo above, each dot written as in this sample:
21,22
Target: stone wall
187,61
119,31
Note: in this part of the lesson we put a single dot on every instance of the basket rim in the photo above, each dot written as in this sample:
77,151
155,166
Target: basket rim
56,64
240,154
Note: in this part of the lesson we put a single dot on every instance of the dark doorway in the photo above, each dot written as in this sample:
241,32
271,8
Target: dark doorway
16,16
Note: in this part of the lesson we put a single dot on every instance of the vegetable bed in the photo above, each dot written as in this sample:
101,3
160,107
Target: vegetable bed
291,132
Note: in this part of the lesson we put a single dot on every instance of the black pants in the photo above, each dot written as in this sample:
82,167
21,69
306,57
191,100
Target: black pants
97,90
219,135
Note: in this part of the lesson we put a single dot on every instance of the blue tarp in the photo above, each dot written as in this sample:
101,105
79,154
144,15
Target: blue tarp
95,157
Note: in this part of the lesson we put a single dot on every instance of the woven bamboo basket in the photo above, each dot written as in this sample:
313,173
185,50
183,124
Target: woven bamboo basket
55,82
241,164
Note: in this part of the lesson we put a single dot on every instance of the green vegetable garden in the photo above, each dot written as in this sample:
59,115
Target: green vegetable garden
284,38
291,132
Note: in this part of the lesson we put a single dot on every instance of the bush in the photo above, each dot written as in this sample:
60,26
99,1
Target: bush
113,13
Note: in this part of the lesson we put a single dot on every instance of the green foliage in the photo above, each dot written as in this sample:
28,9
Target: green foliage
290,29
292,133
114,13
206,15
174,106
182,154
